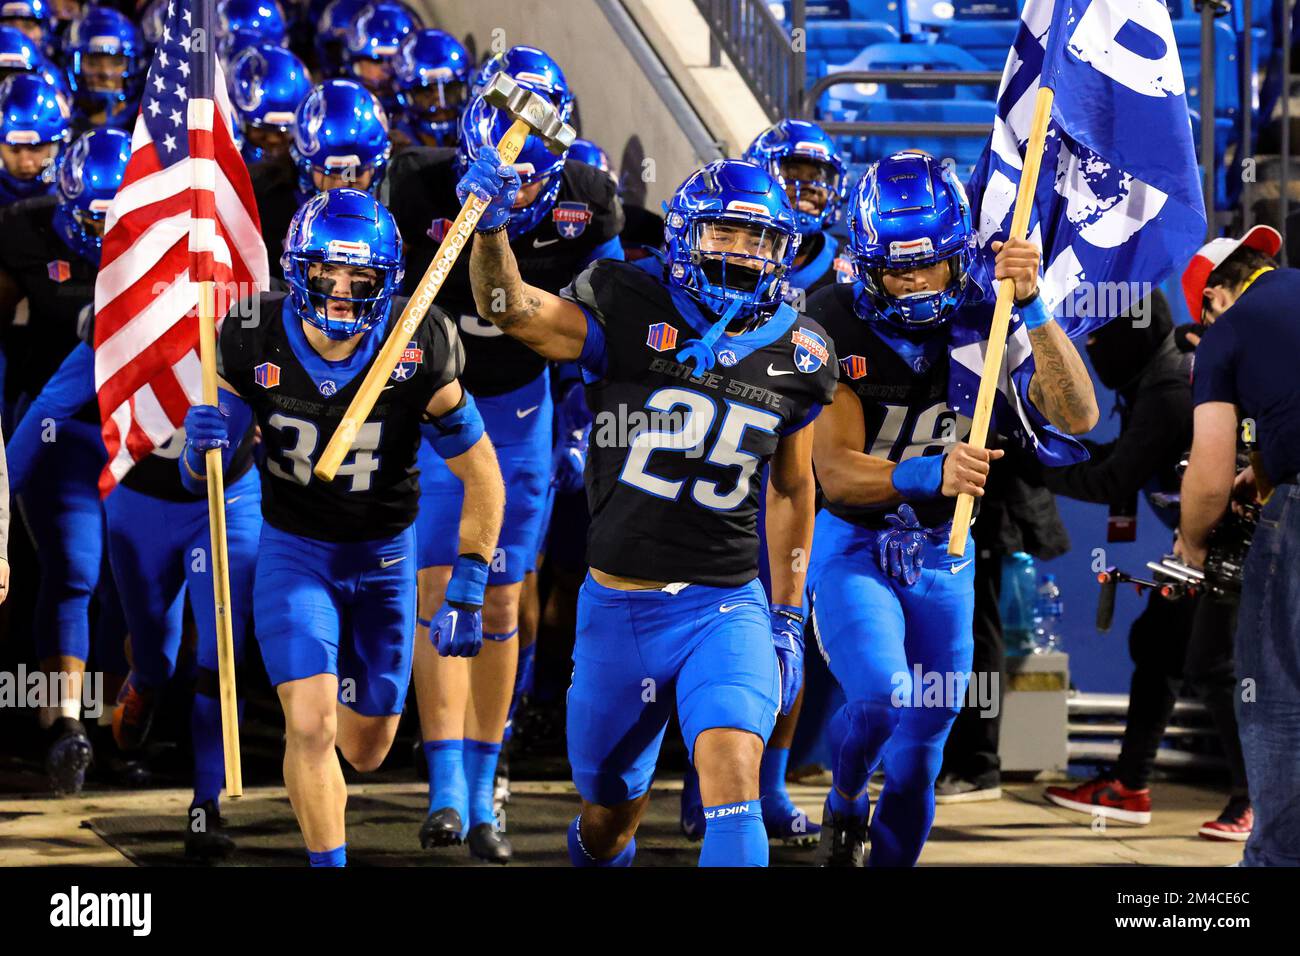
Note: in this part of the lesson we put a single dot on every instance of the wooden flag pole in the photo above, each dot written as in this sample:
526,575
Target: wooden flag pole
979,429
457,238
218,560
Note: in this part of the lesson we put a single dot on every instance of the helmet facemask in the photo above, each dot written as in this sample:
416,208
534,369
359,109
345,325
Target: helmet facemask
435,106
809,181
316,279
737,260
915,304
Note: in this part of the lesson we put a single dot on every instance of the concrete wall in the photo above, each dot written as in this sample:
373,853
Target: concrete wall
620,106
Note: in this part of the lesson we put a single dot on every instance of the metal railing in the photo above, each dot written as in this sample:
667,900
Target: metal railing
760,49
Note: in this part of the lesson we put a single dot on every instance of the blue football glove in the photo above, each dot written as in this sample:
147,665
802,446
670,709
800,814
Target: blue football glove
569,461
787,638
205,427
457,630
901,547
494,184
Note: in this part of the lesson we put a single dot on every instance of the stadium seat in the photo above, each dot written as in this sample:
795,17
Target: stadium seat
988,41
910,58
965,150
834,42
1227,82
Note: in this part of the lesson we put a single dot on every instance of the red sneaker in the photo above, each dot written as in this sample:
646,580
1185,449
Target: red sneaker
1233,824
1105,798
133,715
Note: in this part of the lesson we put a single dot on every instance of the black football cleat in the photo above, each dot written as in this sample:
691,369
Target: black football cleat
67,757
489,844
206,838
441,828
843,840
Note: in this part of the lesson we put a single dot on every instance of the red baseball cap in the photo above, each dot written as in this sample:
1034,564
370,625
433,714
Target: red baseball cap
1263,239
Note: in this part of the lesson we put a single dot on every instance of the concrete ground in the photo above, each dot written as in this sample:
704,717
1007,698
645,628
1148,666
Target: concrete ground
1020,829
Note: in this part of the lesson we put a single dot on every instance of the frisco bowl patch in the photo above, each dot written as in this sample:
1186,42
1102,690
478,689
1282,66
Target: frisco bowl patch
411,358
571,218
810,352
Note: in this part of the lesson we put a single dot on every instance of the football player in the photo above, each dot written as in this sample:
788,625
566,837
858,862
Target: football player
329,42
340,139
891,458
373,38
334,600
266,85
566,216
698,375
49,255
801,157
105,56
34,18
36,124
431,79
245,23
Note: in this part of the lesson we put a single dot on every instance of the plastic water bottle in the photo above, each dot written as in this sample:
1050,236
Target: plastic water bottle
1048,635
1016,606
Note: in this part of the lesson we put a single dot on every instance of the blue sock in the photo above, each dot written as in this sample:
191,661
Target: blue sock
209,749
735,835
523,685
447,776
480,775
853,751
579,856
335,857
771,772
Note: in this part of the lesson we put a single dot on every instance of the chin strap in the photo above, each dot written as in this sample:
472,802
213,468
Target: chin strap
700,351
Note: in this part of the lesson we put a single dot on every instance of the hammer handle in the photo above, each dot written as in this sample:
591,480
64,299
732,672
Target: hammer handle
457,238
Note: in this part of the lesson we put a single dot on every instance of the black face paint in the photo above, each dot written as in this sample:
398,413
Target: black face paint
321,285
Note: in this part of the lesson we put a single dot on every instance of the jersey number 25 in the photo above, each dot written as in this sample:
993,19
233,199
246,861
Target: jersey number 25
689,440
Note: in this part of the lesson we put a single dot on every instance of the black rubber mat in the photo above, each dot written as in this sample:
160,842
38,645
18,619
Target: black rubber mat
382,831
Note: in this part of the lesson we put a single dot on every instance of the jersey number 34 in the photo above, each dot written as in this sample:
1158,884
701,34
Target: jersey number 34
298,442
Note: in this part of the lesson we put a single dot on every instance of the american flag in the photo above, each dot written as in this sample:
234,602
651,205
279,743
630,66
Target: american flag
185,214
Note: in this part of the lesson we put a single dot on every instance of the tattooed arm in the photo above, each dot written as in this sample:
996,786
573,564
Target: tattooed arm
553,327
1061,388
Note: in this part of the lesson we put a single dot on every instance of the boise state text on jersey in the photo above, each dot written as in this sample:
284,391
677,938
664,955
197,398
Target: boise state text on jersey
677,500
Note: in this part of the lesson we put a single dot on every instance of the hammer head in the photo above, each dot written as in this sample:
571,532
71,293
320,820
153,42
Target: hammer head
533,108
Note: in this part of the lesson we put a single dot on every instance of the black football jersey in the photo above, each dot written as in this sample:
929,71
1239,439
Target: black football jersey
675,460
906,412
422,195
298,399
60,289
158,474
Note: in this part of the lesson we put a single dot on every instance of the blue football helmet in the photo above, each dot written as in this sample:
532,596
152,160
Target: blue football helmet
798,140
32,17
339,126
910,211
331,35
347,227
532,68
731,203
375,35
244,23
585,151
152,22
87,179
431,77
33,113
266,85
20,54
483,125
105,31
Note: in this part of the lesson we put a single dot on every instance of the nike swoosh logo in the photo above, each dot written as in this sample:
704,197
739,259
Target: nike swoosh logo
389,562
542,244
525,412
728,608
777,371
231,501
957,567
387,387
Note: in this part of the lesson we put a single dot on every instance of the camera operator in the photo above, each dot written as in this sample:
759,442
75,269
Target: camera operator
1173,642
1245,373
